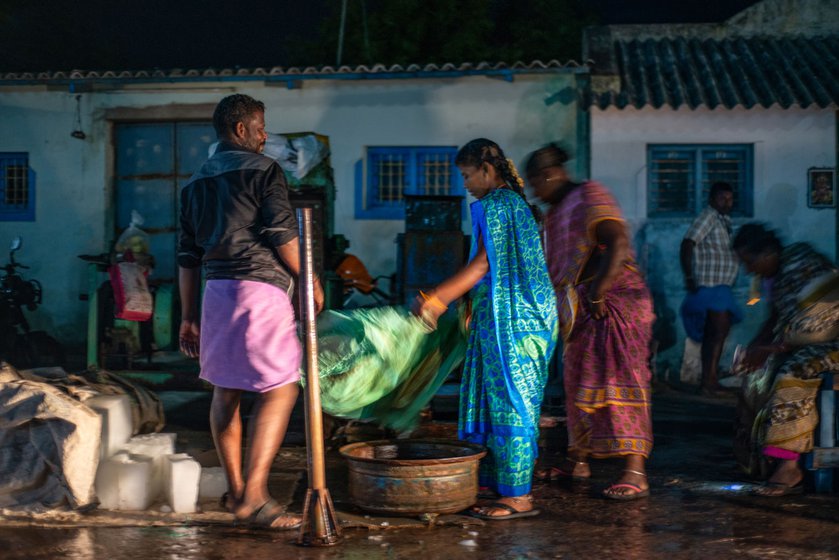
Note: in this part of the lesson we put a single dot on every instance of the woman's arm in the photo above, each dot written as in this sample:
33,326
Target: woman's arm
762,345
436,302
612,235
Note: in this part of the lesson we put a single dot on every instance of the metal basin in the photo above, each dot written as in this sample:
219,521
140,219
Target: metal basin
410,477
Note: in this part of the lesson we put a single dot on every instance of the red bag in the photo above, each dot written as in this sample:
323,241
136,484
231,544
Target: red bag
132,298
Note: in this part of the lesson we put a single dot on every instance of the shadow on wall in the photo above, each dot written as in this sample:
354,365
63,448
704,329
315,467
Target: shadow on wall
655,265
780,203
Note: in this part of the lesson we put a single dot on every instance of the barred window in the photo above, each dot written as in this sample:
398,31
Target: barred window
391,173
680,177
17,188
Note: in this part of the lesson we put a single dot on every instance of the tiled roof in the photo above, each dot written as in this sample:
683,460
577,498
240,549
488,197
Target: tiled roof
745,71
280,73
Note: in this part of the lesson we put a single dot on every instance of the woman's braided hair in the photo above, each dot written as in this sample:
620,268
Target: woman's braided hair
480,151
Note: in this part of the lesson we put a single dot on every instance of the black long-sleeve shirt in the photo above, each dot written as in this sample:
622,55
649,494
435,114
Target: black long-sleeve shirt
234,212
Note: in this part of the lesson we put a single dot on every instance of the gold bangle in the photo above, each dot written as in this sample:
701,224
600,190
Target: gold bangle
434,301
596,301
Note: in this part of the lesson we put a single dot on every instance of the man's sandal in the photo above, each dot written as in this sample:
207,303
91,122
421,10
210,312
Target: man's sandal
637,492
270,516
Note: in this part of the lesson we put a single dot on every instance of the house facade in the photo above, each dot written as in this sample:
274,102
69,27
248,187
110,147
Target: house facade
752,101
80,150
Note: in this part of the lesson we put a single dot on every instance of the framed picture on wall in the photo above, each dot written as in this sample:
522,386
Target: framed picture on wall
821,187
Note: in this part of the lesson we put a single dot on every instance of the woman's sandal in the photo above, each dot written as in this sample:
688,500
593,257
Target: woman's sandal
265,517
483,512
637,491
557,473
778,489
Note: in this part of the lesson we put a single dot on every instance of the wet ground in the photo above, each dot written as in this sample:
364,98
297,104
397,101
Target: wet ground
699,508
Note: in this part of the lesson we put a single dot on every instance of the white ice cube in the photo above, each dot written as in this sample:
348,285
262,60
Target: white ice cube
117,423
156,446
182,475
123,482
213,483
153,445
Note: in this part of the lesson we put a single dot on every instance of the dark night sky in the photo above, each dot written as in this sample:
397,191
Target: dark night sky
37,35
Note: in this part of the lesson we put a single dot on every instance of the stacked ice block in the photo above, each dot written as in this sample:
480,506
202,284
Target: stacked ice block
135,471
156,446
117,423
181,479
123,482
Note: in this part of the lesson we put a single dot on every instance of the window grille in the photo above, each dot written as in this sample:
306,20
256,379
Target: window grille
394,172
680,178
17,188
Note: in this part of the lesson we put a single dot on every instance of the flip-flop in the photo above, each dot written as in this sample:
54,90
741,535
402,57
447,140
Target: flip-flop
786,489
557,473
266,515
514,513
639,492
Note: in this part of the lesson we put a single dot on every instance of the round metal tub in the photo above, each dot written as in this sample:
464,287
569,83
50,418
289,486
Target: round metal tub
409,477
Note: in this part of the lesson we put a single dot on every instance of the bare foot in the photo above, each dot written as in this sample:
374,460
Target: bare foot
229,502
569,468
785,480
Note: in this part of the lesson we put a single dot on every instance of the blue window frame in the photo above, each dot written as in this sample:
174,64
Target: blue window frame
680,177
17,188
389,173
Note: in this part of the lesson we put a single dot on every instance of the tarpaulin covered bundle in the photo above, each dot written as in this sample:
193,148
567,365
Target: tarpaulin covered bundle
50,440
382,364
49,445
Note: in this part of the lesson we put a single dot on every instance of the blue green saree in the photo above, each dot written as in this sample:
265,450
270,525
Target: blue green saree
512,336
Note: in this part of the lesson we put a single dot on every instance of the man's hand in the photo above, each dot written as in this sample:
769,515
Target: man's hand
189,338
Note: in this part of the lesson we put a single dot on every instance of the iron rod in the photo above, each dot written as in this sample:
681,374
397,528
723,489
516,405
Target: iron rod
320,523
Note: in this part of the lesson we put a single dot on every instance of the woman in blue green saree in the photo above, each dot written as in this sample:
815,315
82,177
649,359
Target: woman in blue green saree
512,332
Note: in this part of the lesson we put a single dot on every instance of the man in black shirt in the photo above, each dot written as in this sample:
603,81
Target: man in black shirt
237,222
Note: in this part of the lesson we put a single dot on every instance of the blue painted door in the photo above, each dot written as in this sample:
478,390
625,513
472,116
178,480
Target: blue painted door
153,160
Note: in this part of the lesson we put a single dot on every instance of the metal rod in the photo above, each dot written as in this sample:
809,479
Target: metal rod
320,526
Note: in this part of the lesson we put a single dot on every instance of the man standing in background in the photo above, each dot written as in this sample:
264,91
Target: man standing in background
710,269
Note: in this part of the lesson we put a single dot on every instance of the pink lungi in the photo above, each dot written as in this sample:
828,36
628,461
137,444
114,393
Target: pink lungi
248,336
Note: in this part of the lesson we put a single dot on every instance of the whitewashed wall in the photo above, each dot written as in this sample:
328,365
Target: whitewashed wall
786,143
74,177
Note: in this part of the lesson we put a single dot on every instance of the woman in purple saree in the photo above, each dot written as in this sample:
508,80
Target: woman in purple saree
606,317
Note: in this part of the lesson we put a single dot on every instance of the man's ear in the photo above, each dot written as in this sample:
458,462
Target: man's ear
240,129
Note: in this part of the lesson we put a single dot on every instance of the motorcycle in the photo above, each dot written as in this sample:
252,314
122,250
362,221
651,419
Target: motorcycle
19,344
